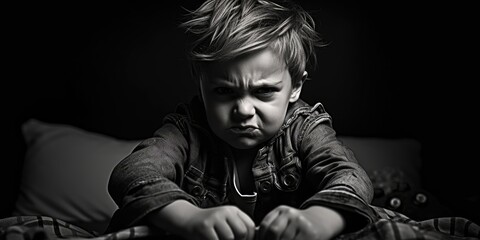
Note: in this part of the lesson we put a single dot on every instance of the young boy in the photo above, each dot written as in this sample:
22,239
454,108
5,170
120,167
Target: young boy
247,158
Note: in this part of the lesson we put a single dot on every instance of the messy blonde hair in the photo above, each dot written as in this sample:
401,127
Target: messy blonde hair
226,29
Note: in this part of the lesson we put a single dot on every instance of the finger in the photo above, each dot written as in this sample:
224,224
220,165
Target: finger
223,231
267,220
275,230
238,227
207,234
290,232
302,235
306,231
249,224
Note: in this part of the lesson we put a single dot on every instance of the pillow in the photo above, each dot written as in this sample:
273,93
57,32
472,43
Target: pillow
66,172
401,155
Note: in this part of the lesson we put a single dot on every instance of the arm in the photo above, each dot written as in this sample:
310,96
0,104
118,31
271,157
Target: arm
340,183
145,186
149,178
340,190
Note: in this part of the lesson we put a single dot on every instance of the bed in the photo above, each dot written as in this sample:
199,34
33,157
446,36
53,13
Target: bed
63,188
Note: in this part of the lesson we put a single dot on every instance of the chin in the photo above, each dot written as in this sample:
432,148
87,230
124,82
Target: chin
243,144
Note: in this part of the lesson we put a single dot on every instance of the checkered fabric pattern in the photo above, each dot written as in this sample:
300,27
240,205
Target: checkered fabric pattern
390,226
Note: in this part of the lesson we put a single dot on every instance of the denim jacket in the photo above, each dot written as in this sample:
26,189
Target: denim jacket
302,165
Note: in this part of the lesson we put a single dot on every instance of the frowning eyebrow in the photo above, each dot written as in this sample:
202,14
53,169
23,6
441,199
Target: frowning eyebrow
273,77
250,84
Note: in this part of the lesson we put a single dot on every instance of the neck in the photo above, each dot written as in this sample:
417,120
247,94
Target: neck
243,159
244,154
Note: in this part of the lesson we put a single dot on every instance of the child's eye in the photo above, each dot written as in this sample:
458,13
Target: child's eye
222,90
265,91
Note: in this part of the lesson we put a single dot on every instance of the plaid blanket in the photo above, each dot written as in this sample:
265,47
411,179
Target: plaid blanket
391,226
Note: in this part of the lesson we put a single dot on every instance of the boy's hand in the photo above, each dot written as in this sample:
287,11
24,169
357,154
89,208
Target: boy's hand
224,222
315,222
218,223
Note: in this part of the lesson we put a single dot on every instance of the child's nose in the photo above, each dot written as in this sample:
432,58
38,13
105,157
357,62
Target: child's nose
244,109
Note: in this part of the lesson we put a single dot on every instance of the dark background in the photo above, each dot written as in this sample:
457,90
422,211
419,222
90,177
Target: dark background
391,70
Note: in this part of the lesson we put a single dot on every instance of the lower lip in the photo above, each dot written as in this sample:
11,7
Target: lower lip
243,130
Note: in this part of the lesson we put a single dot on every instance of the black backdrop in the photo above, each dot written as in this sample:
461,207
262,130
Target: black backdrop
391,70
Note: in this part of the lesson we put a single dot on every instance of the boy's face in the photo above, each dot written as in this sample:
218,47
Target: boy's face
246,99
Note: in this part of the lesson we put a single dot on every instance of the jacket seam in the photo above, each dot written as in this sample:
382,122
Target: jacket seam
144,182
318,119
305,110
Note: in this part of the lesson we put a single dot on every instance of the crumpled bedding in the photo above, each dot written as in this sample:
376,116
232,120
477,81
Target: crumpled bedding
390,226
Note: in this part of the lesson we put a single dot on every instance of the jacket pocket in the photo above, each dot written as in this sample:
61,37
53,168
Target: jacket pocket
207,191
193,183
289,174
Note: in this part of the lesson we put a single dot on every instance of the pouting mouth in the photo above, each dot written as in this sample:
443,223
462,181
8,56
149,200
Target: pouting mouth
243,129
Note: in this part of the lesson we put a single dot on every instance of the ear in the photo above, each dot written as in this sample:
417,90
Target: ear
297,89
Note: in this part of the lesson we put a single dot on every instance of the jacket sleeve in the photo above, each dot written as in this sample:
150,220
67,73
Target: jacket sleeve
338,181
149,178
